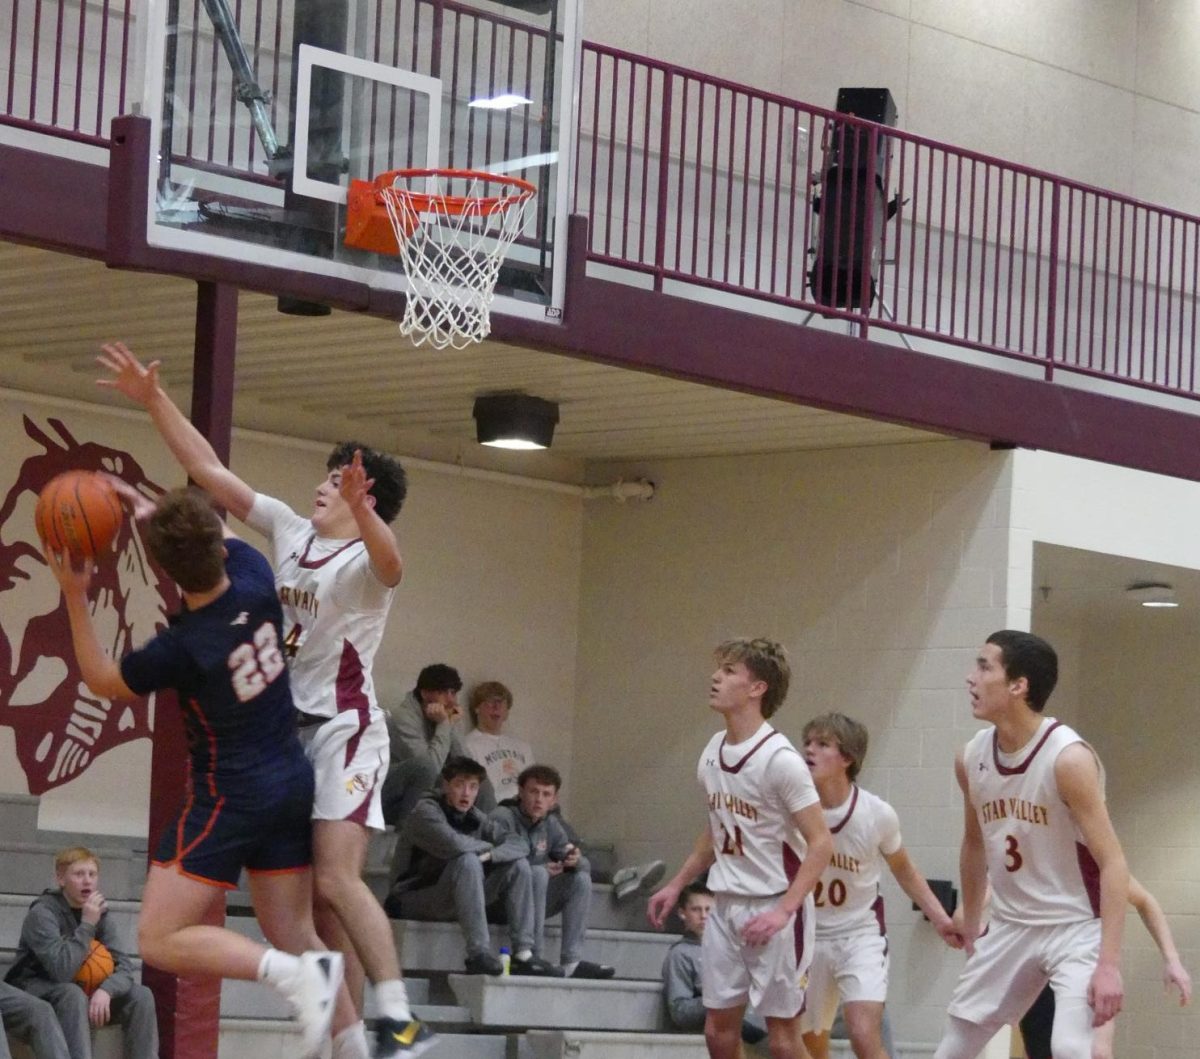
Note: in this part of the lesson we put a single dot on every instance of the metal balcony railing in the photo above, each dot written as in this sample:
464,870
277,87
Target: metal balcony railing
694,180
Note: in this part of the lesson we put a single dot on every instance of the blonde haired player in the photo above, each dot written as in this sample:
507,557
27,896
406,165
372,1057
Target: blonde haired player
765,848
1036,828
851,958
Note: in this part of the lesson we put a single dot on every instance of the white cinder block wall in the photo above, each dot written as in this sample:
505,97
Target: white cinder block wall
1103,91
881,569
1129,685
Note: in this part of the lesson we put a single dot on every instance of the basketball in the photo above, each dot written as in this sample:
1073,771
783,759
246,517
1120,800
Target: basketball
78,512
98,965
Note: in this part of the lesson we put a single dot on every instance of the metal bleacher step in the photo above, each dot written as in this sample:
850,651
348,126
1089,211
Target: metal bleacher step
252,1000
277,1039
14,906
608,1044
553,1003
19,817
439,946
29,868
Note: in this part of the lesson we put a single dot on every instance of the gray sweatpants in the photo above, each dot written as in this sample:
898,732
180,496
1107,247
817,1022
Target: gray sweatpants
134,1012
31,1020
464,891
569,892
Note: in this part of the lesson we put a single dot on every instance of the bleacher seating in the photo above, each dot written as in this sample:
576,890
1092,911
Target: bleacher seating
476,1017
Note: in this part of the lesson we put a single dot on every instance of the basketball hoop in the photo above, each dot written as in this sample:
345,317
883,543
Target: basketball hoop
451,244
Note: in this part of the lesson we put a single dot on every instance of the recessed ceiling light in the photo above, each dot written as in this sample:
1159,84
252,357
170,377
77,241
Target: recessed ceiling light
1152,594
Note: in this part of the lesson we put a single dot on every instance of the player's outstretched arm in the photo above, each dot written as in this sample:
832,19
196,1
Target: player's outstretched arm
913,883
1077,773
811,822
139,382
1175,975
972,864
377,535
663,902
100,673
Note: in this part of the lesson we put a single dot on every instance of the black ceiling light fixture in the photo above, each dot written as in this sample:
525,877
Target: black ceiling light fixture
515,421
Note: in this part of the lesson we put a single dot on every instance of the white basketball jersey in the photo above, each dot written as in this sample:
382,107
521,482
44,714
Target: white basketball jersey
753,788
865,829
1040,870
334,612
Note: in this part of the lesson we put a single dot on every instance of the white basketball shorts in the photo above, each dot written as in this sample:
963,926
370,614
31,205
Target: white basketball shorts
849,968
771,977
350,762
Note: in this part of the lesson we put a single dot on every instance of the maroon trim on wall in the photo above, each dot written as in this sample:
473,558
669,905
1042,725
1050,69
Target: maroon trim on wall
630,327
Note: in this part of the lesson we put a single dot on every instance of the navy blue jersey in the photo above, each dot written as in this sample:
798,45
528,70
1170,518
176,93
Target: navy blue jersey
226,662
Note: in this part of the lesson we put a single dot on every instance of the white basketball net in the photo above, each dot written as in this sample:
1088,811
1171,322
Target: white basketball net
452,259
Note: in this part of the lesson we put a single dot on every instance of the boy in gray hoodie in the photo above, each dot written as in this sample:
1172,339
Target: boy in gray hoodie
57,937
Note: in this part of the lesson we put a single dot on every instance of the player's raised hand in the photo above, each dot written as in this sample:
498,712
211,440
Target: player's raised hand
660,905
1176,975
763,927
137,381
354,485
1105,993
71,578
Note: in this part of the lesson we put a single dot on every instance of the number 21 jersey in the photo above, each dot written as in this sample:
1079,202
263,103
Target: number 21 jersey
1041,871
752,789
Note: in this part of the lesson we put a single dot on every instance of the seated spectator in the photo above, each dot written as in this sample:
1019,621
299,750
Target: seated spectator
423,732
562,878
452,862
28,1019
504,756
682,969
56,939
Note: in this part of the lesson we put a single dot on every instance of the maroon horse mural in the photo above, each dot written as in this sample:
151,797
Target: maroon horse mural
60,726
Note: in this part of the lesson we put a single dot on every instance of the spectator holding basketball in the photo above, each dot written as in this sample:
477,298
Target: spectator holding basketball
67,942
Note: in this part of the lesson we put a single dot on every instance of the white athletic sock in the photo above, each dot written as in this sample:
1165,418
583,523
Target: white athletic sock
351,1043
523,955
569,968
392,998
278,969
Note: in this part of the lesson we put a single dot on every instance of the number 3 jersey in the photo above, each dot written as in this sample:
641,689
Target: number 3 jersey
1040,871
752,789
225,661
865,829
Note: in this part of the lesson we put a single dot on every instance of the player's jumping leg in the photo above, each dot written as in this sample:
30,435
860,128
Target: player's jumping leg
171,936
283,907
339,855
817,1044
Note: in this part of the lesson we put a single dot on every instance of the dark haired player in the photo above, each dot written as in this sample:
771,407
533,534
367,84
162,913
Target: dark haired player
1037,829
335,573
249,786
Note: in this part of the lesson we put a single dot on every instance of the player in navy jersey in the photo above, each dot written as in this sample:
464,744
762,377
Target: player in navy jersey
249,783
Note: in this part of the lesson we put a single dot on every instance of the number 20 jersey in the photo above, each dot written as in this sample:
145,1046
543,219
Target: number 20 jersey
1040,870
752,790
865,829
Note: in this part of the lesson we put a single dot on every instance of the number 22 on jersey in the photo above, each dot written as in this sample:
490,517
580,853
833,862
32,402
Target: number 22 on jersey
255,665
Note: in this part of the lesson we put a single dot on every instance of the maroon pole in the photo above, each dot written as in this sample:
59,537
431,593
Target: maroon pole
189,1009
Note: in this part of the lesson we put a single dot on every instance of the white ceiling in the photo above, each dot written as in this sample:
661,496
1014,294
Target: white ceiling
353,375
